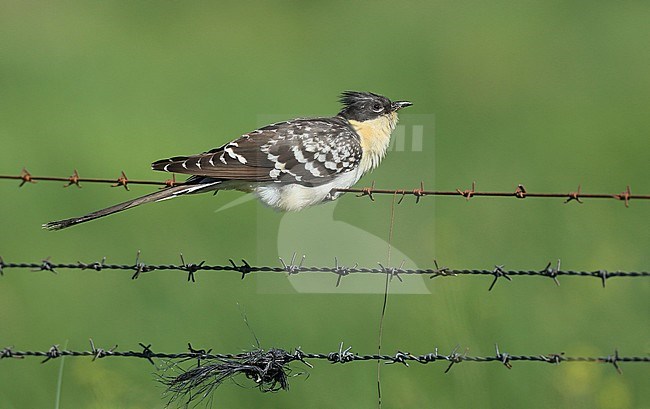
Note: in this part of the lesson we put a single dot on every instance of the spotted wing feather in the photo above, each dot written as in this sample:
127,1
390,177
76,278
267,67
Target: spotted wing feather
305,151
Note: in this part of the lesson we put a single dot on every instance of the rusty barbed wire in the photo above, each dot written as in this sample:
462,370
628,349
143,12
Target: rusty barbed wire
139,268
519,192
26,177
270,369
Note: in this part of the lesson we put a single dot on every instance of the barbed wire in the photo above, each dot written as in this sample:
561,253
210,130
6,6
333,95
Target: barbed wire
292,267
269,369
341,355
76,180
520,191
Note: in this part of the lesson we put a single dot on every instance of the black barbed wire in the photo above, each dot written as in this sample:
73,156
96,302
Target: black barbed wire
292,267
270,369
520,191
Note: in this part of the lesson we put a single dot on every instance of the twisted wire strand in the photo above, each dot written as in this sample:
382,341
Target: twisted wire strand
340,355
520,192
139,268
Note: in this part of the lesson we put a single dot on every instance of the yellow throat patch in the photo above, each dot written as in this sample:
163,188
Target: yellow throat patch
375,138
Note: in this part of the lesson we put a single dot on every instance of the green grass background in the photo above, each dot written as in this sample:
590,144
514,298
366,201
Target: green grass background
548,94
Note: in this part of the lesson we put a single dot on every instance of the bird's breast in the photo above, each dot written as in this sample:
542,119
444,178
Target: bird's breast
294,197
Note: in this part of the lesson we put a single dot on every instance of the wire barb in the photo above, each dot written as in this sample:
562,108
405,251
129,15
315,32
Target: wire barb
342,355
25,177
7,352
400,358
468,193
201,353
614,359
244,269
341,271
454,358
444,271
292,268
191,268
141,267
503,357
46,265
417,192
520,192
603,276
170,182
552,272
100,352
498,272
368,191
97,265
625,196
52,353
574,196
73,180
392,271
555,359
122,181
147,353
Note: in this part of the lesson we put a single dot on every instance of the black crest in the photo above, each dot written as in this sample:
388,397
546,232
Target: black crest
362,106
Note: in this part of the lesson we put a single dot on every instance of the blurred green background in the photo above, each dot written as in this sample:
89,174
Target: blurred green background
548,94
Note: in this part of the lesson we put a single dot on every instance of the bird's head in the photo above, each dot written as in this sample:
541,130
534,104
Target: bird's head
365,106
373,118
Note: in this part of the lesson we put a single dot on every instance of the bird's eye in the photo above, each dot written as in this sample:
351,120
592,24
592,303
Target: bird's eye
377,107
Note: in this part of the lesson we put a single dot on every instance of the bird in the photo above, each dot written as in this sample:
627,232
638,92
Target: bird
288,165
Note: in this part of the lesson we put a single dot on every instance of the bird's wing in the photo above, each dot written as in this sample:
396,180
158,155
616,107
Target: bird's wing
305,151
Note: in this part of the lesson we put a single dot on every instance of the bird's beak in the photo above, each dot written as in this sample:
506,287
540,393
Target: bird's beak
397,105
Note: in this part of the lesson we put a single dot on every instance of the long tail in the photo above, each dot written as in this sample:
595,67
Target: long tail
168,193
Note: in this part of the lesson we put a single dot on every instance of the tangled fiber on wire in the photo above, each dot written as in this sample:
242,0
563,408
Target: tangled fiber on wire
268,370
